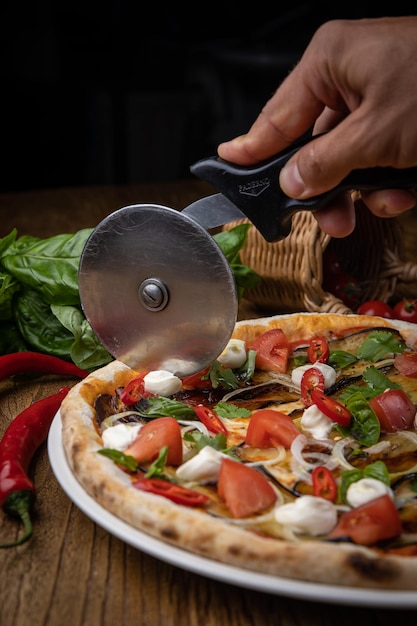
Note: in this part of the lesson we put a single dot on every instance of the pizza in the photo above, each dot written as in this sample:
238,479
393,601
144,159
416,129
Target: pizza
294,454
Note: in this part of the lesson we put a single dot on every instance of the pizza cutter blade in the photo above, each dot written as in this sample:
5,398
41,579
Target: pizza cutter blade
157,289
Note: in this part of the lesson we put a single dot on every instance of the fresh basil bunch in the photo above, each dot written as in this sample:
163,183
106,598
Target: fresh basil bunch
40,308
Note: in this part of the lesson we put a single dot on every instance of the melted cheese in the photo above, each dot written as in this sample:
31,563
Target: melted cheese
328,372
162,383
234,354
365,490
316,423
308,514
204,467
120,436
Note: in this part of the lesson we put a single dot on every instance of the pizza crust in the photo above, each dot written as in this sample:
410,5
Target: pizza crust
304,325
196,531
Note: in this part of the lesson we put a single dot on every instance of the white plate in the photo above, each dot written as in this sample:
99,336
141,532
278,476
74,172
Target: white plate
206,567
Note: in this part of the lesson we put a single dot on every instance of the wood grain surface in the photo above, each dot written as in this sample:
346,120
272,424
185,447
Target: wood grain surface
74,573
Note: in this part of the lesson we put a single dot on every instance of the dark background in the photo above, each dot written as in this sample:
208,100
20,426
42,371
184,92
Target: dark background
117,92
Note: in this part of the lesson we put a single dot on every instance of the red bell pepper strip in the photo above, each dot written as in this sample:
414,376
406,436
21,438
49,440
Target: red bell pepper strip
324,484
22,438
176,493
37,363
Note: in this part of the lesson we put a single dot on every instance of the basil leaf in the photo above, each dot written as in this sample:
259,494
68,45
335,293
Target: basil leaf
50,266
157,467
223,377
230,410
231,242
378,345
219,442
300,359
9,286
377,470
346,479
365,426
39,327
245,278
377,381
7,241
247,370
161,407
352,390
11,339
339,359
86,350
125,460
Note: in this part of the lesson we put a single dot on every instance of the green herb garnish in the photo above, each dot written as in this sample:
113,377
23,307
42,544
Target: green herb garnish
380,344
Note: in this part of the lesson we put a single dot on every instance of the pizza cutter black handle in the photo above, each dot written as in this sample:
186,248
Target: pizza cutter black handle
256,192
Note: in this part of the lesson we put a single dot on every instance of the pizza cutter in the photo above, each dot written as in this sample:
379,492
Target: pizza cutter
254,192
157,289
155,286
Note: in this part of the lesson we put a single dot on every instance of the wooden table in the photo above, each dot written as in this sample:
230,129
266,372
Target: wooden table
74,573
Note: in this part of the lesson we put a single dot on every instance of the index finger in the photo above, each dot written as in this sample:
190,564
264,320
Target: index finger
289,114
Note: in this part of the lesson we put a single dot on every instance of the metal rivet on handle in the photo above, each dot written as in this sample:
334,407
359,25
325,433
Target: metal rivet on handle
153,294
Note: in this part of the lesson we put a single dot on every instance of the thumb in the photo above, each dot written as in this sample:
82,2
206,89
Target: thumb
322,163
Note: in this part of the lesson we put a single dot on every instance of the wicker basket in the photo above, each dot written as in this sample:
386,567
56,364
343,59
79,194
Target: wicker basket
292,269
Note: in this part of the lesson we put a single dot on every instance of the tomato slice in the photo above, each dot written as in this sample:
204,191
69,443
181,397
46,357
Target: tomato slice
270,429
160,432
134,391
176,493
324,484
369,523
272,350
311,379
244,490
210,420
406,363
394,409
330,407
318,350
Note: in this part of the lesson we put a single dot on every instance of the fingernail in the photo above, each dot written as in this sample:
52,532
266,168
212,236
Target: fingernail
290,180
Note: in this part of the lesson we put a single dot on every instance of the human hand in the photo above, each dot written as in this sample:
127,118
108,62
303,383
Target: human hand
357,80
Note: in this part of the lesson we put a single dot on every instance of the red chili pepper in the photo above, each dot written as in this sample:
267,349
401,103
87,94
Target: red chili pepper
318,350
37,363
134,391
22,438
176,493
210,420
330,407
324,484
311,379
